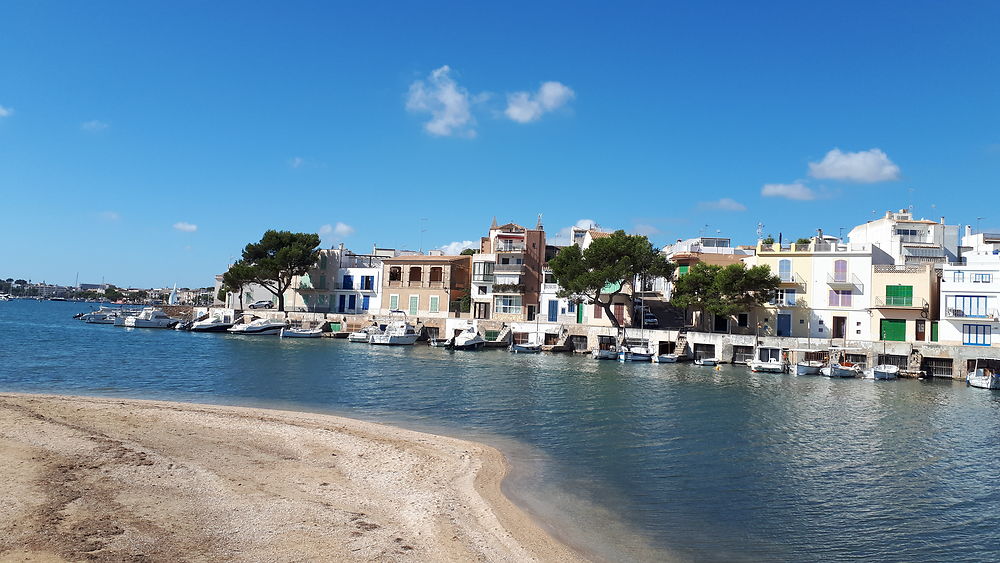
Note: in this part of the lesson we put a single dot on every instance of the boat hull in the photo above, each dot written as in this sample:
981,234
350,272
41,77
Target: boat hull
525,348
983,381
767,367
705,362
394,340
604,354
223,327
300,333
807,369
842,371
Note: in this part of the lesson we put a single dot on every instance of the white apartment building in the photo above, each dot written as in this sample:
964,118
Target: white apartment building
909,241
970,301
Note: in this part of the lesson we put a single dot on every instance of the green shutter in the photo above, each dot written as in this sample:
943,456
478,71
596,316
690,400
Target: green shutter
899,295
393,302
414,302
681,270
934,331
895,330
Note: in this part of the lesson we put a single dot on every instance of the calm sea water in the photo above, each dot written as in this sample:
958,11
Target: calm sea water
630,461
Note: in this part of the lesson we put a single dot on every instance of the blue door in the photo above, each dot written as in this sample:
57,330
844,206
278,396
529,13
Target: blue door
348,282
352,302
340,304
784,325
553,311
364,302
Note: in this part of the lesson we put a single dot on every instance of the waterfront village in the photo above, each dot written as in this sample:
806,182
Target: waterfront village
917,294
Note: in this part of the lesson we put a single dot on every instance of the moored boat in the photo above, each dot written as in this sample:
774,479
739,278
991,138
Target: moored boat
396,333
151,318
608,354
808,368
665,359
291,332
468,339
363,335
882,371
258,327
525,348
983,378
706,362
845,369
211,324
439,342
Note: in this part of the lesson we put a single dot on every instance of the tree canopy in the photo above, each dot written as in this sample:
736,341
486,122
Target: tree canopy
237,277
607,268
724,291
279,257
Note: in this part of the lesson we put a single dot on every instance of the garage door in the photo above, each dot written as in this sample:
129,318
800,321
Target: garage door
893,329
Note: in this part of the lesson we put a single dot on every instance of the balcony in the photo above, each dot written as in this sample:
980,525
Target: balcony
354,287
507,248
844,280
790,279
961,314
482,278
509,288
900,302
509,268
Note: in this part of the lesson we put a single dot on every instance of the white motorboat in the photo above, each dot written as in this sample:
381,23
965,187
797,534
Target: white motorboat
124,315
439,342
767,359
363,335
290,332
609,354
525,348
258,326
666,359
984,378
767,367
634,354
151,318
706,362
808,368
881,371
211,324
845,369
468,339
396,333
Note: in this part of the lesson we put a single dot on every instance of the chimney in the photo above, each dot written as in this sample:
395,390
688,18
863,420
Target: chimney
968,230
942,219
819,234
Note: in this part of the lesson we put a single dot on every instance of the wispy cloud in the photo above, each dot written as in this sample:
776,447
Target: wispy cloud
525,107
94,125
455,248
185,227
446,102
724,204
866,167
797,191
296,161
110,215
646,230
5,111
331,233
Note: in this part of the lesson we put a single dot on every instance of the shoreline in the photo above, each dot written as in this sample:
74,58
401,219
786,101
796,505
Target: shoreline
127,478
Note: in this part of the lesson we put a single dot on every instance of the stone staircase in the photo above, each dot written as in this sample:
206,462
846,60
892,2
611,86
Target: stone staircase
504,334
681,348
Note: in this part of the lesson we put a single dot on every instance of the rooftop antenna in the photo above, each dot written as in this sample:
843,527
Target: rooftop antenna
760,231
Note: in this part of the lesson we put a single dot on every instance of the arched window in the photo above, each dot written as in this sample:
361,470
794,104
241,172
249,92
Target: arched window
416,272
437,274
785,270
840,270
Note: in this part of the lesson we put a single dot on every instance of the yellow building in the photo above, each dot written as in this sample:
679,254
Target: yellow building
905,304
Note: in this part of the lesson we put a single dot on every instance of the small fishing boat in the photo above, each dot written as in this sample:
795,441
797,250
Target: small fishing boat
258,327
881,371
767,360
808,368
364,335
705,362
291,332
666,359
845,369
609,354
525,348
468,339
634,355
211,324
396,333
983,378
439,342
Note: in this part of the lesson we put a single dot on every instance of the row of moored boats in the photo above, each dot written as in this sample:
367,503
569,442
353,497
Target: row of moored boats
151,317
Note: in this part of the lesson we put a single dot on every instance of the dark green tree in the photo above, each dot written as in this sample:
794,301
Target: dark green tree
236,278
724,291
111,293
803,240
279,257
607,268
468,252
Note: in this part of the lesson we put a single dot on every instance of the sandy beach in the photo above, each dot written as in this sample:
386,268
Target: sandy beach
110,479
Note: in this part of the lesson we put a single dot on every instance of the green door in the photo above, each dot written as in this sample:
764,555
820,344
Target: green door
579,314
934,331
414,302
894,329
900,295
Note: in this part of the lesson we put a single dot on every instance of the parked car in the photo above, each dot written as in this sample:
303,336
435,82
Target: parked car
261,305
645,318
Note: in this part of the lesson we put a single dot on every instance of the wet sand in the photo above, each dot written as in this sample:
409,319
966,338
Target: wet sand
108,479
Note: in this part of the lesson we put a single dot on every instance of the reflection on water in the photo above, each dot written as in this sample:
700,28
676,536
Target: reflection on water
688,461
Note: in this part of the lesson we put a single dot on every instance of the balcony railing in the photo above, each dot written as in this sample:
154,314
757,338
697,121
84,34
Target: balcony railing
509,268
511,248
791,278
843,279
516,288
482,278
950,313
900,302
354,286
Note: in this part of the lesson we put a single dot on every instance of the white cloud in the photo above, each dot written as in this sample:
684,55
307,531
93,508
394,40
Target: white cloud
110,215
565,234
525,107
4,112
296,162
185,227
724,204
455,248
331,233
646,230
446,101
797,191
866,166
94,125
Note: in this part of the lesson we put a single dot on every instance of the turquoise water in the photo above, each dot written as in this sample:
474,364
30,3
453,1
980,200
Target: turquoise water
630,461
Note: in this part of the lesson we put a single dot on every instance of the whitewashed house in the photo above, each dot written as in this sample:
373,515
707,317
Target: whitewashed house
970,301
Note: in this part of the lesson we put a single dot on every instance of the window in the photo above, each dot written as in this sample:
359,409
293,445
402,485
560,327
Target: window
976,335
682,269
785,270
395,273
393,302
982,278
364,302
322,262
598,311
840,271
921,330
482,311
322,282
437,274
348,281
507,304
966,306
572,307
368,282
414,304
899,295
784,297
416,272
840,297
958,276
435,304
482,271
481,289
550,278
743,319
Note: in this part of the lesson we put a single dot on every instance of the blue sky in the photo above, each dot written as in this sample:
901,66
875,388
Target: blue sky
147,143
